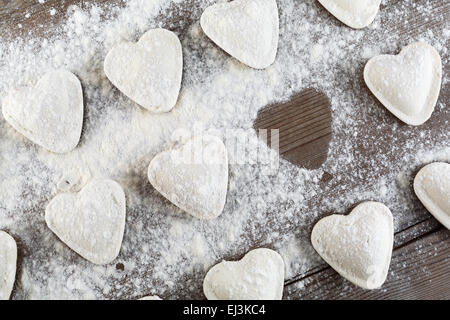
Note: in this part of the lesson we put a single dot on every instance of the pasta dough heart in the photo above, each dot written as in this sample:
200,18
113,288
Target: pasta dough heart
149,72
194,176
246,29
432,187
8,262
258,276
407,84
90,222
50,114
357,246
355,14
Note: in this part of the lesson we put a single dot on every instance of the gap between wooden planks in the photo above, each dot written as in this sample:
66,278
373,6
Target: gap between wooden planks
414,273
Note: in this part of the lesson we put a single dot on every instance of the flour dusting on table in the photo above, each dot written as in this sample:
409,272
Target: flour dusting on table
166,252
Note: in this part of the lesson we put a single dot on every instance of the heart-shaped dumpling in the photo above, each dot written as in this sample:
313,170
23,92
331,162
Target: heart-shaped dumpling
194,176
246,29
432,187
149,72
8,261
407,84
50,114
356,14
258,276
357,246
90,222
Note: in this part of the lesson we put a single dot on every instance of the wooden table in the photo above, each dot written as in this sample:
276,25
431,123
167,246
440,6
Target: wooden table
420,267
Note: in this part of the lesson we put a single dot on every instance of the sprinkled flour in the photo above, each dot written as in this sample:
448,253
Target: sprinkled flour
166,252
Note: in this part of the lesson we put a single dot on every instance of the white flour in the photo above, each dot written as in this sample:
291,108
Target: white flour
164,251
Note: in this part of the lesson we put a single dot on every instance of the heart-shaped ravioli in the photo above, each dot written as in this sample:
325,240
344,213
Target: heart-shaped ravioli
407,84
246,29
90,222
50,114
193,176
8,261
357,246
356,14
149,72
258,276
432,187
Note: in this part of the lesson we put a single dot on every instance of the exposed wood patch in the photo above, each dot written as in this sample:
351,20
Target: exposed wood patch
304,124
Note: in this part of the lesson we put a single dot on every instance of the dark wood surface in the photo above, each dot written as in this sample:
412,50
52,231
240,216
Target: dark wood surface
420,267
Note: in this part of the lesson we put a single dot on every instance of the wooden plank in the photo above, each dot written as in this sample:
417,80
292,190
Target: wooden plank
29,18
419,270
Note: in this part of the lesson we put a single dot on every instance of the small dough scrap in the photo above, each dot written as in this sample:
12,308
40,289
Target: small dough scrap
193,176
356,14
246,29
51,113
8,264
148,72
407,84
258,276
432,187
90,222
357,246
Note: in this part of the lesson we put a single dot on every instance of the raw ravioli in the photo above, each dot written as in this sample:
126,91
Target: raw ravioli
258,276
8,262
407,84
246,29
90,222
193,176
50,114
357,246
432,187
356,14
149,72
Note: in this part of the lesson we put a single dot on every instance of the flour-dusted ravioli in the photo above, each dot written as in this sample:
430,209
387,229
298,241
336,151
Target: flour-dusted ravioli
258,276
357,246
50,114
90,222
193,176
432,187
356,14
407,84
149,72
8,262
246,29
